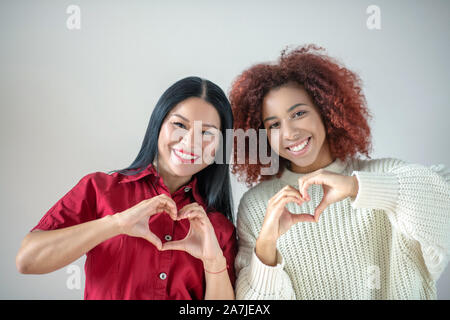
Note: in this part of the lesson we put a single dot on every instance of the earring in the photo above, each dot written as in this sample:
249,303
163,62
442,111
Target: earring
155,162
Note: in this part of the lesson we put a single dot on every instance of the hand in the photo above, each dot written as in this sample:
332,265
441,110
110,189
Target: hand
278,219
134,221
201,241
336,187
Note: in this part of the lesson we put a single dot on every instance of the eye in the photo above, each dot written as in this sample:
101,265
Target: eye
299,114
179,124
273,125
207,133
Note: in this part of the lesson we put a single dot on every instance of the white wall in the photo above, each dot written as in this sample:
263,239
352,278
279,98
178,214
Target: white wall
78,101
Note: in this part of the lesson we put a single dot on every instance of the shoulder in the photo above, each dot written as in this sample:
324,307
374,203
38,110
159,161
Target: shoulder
263,191
99,181
253,203
376,165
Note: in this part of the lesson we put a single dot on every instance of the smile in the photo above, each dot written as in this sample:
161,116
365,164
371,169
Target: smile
185,156
299,148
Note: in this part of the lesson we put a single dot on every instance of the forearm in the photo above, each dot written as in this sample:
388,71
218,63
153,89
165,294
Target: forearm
266,251
47,251
218,284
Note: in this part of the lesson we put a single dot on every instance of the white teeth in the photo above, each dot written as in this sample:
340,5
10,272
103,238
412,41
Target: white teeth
300,146
183,155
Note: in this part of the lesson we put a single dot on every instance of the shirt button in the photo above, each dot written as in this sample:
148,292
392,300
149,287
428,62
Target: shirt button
163,276
187,189
168,237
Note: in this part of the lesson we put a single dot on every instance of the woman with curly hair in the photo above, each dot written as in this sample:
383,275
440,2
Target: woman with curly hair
328,224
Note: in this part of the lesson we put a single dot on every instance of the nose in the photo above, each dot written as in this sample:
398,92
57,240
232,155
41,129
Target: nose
289,131
192,140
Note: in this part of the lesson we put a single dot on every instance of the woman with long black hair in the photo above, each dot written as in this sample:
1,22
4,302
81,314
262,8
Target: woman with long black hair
160,228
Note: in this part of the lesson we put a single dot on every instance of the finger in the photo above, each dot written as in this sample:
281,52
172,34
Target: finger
162,207
182,214
283,202
278,194
187,207
163,197
317,179
319,209
195,214
288,192
286,198
167,205
287,188
303,217
303,179
172,210
152,238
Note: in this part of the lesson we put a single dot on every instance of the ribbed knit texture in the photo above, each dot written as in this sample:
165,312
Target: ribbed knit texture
391,242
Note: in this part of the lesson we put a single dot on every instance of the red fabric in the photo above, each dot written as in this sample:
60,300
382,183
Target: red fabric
125,267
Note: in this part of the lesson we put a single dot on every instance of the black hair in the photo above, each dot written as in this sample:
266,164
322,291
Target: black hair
214,180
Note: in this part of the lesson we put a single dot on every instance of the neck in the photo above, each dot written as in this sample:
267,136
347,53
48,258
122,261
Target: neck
172,181
323,159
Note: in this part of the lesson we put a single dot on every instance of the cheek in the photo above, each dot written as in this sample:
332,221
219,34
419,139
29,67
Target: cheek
319,129
274,140
165,140
210,146
169,135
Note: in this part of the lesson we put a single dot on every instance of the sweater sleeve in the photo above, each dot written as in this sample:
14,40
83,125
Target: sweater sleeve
417,201
255,280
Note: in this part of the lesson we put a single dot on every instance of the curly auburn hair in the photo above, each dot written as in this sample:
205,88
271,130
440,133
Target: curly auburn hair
335,91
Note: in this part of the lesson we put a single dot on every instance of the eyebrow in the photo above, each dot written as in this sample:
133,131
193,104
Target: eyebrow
187,120
288,110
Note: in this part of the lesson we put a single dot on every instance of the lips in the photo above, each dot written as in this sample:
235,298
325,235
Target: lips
185,156
186,152
300,148
297,143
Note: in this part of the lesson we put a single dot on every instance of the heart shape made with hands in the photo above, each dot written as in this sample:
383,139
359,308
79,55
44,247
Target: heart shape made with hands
335,187
199,226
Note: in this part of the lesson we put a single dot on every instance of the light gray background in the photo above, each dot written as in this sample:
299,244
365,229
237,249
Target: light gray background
76,102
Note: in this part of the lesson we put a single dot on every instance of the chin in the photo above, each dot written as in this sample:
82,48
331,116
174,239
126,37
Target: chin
302,161
184,170
181,170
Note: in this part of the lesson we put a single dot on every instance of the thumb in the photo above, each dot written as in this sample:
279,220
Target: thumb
174,245
152,238
319,209
303,217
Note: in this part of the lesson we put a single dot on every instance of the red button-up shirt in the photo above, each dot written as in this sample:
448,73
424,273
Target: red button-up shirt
125,267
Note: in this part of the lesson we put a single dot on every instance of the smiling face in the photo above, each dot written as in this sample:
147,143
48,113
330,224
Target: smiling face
295,129
189,137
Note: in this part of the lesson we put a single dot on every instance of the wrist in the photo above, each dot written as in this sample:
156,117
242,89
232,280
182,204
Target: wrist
266,251
114,221
215,265
266,243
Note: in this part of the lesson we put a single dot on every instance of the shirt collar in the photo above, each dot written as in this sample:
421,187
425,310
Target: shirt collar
151,172
337,166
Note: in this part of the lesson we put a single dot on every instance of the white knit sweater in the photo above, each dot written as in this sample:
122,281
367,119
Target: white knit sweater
391,242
